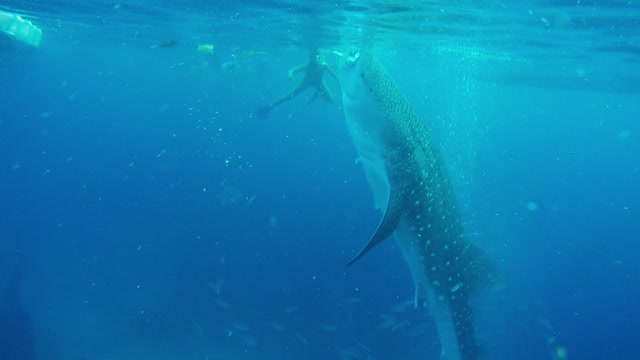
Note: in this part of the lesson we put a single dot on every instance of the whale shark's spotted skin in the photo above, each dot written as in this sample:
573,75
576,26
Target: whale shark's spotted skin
411,186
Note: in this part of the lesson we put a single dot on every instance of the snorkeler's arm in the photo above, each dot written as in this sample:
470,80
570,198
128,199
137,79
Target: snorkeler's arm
296,70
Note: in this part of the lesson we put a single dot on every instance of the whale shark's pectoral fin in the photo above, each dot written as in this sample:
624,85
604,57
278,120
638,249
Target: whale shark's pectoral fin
387,225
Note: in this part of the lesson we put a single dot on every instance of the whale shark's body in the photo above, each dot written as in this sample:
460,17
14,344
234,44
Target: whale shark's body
410,185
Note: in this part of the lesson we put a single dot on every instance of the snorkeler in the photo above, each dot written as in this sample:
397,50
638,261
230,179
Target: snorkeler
313,72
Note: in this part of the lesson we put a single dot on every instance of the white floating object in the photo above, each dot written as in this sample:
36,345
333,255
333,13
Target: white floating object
13,28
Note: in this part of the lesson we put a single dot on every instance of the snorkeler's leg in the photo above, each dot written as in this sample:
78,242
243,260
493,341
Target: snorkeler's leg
263,112
326,93
313,97
295,92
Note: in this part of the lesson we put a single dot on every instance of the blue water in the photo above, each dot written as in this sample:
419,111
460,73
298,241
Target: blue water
148,213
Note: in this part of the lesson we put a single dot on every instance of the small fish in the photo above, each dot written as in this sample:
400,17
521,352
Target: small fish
350,353
329,327
249,340
301,338
217,286
363,346
277,326
403,306
222,303
400,325
165,44
387,323
226,330
351,300
197,329
240,326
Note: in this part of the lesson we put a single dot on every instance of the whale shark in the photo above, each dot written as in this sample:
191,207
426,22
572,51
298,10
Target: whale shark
411,187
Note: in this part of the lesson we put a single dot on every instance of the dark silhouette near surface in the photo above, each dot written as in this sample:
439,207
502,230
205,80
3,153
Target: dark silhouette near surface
313,73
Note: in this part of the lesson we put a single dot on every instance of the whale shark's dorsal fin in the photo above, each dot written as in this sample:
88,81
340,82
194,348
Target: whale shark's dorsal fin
387,225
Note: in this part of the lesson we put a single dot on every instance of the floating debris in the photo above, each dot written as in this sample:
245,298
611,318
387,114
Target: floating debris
206,48
561,353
